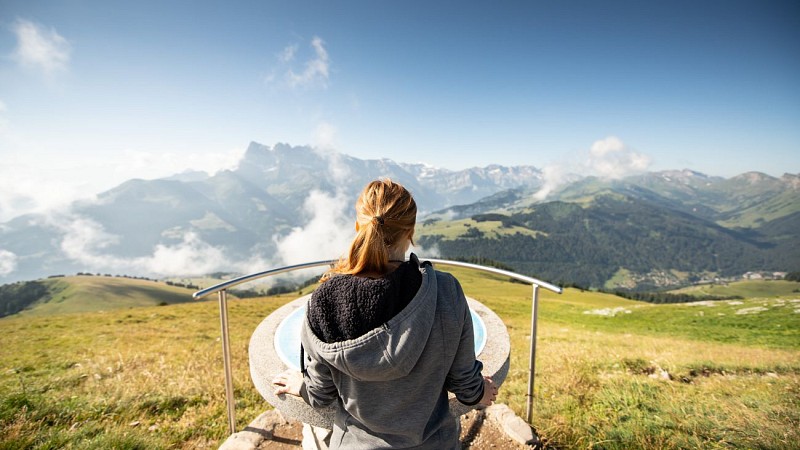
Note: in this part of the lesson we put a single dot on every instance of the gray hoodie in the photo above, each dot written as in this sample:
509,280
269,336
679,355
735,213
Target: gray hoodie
391,383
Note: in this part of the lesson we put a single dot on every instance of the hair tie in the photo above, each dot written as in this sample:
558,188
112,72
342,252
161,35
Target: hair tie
378,220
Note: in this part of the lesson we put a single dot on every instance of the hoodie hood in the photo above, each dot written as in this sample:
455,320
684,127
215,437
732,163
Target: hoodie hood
390,351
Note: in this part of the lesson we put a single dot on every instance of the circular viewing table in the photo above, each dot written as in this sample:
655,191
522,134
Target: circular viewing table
275,347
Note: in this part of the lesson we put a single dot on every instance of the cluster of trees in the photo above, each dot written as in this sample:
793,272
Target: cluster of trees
15,297
183,285
89,274
505,221
247,293
663,297
222,275
274,290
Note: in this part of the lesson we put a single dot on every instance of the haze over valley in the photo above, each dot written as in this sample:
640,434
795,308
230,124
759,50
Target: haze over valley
288,204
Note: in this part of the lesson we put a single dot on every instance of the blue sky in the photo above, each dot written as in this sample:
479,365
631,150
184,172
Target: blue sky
93,93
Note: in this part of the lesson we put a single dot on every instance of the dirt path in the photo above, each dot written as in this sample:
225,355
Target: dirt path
477,432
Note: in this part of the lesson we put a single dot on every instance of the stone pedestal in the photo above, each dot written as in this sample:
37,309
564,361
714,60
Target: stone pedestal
265,362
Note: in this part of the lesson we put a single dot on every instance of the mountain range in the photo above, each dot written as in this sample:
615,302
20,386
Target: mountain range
231,221
241,219
656,230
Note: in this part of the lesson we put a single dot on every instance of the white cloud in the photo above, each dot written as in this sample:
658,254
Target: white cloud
607,158
28,186
39,48
327,234
142,164
191,256
422,252
325,136
324,144
287,55
8,262
611,158
314,72
554,176
84,241
24,190
87,243
605,146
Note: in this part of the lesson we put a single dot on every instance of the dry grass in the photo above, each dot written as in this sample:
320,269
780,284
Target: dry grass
152,377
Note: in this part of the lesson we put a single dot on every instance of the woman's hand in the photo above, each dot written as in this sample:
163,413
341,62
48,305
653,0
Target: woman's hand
289,382
489,392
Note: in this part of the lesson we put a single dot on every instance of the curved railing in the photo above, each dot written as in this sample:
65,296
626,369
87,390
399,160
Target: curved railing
221,290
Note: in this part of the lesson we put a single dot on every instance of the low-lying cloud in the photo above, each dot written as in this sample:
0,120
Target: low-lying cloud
331,220
326,235
325,146
145,164
554,176
611,158
424,252
607,158
87,243
28,187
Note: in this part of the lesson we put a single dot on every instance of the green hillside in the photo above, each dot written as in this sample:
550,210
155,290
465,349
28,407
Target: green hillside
781,205
648,232
611,373
593,244
746,289
76,294
474,227
745,201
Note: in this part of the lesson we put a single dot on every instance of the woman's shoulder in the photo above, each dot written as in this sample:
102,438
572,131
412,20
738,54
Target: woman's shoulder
336,286
446,280
447,289
330,309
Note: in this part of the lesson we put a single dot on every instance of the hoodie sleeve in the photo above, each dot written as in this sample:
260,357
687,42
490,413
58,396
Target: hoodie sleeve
318,388
464,378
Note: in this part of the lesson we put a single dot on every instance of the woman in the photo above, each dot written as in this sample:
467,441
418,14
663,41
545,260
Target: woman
388,338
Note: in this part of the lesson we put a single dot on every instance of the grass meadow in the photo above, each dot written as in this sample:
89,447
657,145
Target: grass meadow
611,373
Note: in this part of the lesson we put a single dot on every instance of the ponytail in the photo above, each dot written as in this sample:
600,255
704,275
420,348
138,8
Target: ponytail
385,214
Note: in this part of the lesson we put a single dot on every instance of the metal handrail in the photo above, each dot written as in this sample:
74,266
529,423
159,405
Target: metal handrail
255,276
267,273
222,288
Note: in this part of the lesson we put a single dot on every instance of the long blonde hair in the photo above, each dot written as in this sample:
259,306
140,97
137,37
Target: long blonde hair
385,214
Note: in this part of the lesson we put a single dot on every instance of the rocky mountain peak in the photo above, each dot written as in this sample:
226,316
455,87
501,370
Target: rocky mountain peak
753,177
792,180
